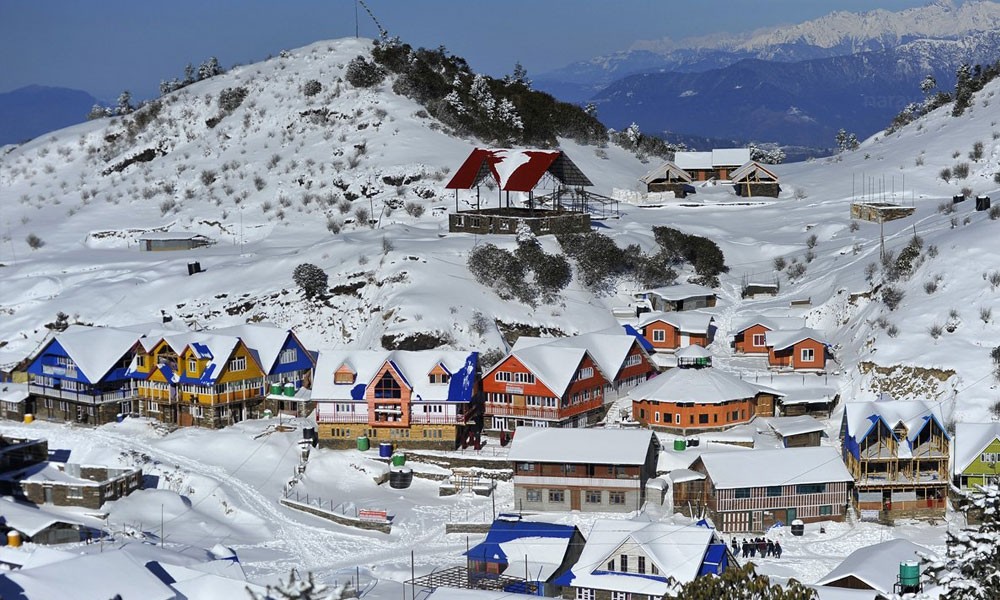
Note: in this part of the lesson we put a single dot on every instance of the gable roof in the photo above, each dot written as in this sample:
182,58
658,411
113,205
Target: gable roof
678,551
665,171
753,170
876,565
863,416
608,349
693,160
788,426
784,466
536,546
554,366
211,347
971,440
693,351
809,395
704,386
516,170
680,291
412,366
691,321
30,519
95,350
591,446
91,577
772,323
780,340
718,157
267,341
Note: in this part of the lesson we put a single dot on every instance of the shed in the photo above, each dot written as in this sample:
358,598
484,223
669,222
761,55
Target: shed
668,177
754,179
874,567
797,432
161,241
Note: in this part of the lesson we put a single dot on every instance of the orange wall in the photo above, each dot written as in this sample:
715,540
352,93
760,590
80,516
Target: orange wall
492,386
719,415
643,368
512,364
792,356
403,400
744,341
672,337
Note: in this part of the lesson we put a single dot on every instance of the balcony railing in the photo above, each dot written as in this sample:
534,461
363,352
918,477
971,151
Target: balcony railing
81,395
537,412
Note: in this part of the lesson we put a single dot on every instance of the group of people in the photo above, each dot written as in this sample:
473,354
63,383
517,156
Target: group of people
751,548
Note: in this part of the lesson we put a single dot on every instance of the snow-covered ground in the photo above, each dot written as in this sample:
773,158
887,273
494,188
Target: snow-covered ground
271,183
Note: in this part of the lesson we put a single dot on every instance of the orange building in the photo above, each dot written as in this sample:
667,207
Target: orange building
668,331
750,335
800,350
699,399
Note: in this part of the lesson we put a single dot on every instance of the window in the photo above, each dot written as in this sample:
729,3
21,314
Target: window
592,496
238,364
569,469
433,433
503,376
620,595
342,377
742,492
703,419
678,418
288,355
140,361
152,407
659,335
526,467
585,373
524,378
624,561
74,491
807,355
585,594
399,433
616,497
197,412
533,495
557,496
611,565
810,488
388,387
653,569
773,490
641,567
192,365
826,510
758,340
439,377
988,457
633,360
656,417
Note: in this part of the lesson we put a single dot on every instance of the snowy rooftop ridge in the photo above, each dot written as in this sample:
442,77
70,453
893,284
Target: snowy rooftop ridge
972,439
761,468
608,348
96,350
690,321
781,340
704,386
413,366
876,565
590,446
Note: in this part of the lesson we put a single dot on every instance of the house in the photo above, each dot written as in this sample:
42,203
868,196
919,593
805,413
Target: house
426,398
717,164
619,355
678,297
798,350
637,559
81,375
545,386
160,241
754,179
535,552
684,400
897,451
287,364
750,337
797,432
977,454
17,453
875,567
668,177
815,401
591,470
749,491
668,331
39,526
70,484
14,401
198,378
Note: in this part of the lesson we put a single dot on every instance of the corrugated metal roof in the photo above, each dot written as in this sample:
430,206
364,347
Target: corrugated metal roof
516,170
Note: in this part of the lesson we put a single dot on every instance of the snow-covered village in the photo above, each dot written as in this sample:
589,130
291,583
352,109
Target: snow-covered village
709,317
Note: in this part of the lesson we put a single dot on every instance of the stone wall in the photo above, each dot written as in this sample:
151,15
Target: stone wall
507,220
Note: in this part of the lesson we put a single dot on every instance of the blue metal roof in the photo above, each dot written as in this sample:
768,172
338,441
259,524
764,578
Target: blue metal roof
646,344
503,530
461,384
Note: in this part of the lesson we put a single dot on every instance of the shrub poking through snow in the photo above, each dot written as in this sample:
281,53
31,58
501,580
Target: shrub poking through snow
892,297
312,279
363,74
34,242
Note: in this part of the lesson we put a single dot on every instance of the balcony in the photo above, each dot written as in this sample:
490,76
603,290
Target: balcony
538,412
81,395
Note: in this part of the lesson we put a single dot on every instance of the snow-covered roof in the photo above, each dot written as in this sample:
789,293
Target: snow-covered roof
215,348
554,366
772,323
690,321
666,170
266,341
785,466
971,440
678,551
779,340
704,386
516,169
680,291
537,546
589,446
682,475
170,235
693,351
13,392
96,350
413,366
90,577
809,395
834,593
876,565
693,160
862,416
608,349
753,170
29,519
789,426
730,157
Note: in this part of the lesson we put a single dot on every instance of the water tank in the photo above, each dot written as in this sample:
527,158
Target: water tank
289,389
276,389
308,433
363,443
694,442
679,445
400,478
28,418
958,198
798,527
909,575
398,459
982,202
13,538
385,449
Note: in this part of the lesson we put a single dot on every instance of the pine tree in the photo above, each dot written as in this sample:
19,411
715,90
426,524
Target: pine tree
971,568
302,589
124,105
928,85
743,583
310,278
97,112
189,74
210,68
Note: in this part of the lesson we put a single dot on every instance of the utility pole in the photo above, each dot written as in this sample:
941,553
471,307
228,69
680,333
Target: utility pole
356,19
161,525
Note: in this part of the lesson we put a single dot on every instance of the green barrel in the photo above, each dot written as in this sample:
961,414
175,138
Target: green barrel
276,388
680,445
363,443
398,459
909,573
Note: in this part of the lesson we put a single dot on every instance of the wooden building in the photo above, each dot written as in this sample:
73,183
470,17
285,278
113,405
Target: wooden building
754,179
750,491
797,432
750,336
799,350
874,567
678,297
416,399
668,177
977,454
898,453
165,241
716,164
668,331
591,470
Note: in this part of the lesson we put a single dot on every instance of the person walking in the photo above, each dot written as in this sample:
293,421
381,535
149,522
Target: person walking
770,548
746,548
777,549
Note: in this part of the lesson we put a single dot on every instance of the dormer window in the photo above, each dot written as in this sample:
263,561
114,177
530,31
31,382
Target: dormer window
439,377
192,365
900,431
140,361
342,377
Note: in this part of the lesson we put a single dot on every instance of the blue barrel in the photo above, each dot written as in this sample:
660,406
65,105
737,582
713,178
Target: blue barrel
119,417
385,449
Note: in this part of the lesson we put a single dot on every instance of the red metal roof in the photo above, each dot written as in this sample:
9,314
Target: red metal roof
513,170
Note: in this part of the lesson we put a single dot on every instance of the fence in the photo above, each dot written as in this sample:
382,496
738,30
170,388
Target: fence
316,506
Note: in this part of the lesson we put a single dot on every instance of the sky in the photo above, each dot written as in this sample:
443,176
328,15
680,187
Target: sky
105,46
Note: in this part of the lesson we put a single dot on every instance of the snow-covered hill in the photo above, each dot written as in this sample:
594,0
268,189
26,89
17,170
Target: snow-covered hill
272,182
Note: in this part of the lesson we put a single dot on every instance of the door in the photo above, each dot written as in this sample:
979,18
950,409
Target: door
791,515
48,495
574,499
184,418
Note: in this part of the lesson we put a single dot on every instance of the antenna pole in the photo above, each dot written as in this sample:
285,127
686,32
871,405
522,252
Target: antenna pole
356,19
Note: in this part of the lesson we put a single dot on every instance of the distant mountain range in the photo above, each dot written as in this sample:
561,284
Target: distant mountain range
793,85
31,111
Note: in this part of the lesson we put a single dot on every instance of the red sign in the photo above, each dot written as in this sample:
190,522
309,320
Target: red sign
367,514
